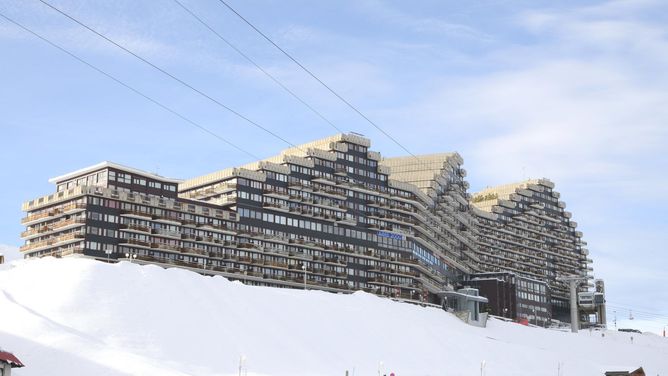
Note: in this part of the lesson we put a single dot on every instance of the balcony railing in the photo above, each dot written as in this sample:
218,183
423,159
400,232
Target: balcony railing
53,226
53,212
36,216
52,241
136,227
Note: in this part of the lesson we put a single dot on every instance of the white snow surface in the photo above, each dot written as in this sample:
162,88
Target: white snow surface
77,316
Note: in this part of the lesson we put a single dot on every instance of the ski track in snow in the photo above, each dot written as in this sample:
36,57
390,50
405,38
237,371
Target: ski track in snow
78,316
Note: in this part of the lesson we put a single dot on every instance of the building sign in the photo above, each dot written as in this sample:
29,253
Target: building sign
391,235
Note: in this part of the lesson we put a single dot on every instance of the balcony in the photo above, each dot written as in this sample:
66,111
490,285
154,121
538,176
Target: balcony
64,252
225,200
59,225
188,250
135,227
73,207
53,241
136,214
283,208
165,246
166,233
31,218
347,221
167,217
211,240
329,193
137,242
275,193
56,198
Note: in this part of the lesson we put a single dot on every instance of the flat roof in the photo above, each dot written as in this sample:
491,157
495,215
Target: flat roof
456,294
107,164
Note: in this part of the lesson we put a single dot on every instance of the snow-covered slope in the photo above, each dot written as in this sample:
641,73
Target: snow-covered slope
77,316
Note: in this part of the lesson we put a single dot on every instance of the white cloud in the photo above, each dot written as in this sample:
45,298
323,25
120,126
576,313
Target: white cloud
121,22
558,112
382,10
301,34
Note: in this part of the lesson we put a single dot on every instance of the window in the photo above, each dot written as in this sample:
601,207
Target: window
124,178
102,177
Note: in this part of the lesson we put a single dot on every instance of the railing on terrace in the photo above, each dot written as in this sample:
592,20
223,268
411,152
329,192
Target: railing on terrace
64,252
53,226
53,198
52,241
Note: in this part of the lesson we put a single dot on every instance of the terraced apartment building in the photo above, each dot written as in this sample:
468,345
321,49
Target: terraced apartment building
329,215
525,229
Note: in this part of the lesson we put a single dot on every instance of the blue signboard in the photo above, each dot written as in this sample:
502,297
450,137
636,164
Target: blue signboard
391,235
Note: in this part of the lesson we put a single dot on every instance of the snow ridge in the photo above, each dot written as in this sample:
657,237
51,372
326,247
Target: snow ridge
79,316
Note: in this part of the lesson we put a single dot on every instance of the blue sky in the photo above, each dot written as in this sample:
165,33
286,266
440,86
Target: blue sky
571,91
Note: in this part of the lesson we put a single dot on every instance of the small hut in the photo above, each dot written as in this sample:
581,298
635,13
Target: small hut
7,362
638,372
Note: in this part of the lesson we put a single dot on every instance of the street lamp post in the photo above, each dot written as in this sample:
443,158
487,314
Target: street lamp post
304,269
131,255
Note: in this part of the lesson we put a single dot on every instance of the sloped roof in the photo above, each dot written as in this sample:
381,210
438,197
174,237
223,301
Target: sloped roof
10,359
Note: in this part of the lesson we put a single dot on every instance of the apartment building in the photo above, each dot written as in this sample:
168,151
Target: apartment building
330,214
525,229
325,215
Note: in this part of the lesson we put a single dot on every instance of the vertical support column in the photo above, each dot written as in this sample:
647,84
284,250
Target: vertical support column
575,324
600,287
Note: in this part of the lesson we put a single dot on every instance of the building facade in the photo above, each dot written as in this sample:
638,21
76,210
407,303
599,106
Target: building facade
515,297
324,215
525,229
330,215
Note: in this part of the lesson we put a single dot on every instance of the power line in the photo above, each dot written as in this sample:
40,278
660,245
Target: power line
638,312
81,60
318,79
624,306
250,60
182,82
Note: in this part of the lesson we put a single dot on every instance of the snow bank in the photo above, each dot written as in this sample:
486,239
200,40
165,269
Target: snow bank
78,316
